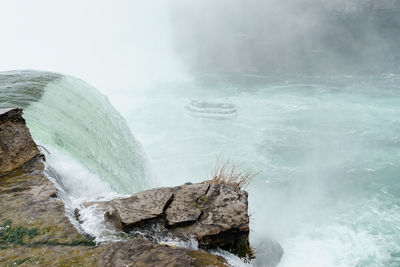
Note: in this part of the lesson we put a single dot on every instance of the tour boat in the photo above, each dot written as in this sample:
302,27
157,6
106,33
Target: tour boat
214,110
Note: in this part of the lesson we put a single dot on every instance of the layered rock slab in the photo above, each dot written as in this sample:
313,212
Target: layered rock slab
127,213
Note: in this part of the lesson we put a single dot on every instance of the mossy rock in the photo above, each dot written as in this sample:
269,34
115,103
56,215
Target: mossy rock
50,256
243,249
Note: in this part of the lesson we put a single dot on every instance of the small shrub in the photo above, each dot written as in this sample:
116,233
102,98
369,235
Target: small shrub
228,173
244,250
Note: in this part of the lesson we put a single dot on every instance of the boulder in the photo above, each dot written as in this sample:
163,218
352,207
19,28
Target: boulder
16,144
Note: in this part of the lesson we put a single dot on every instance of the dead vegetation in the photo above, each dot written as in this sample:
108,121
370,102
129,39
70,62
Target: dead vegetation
228,173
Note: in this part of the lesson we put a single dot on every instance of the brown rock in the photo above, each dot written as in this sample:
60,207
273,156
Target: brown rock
141,252
16,144
112,217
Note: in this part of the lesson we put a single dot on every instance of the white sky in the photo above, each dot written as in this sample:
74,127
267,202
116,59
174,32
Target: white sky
110,44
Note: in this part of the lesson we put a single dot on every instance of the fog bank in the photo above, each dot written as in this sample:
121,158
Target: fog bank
289,36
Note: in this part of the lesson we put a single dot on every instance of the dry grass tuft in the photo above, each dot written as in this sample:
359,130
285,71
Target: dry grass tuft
228,173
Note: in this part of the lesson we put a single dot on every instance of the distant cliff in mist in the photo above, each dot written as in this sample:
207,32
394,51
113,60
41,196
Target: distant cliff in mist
288,36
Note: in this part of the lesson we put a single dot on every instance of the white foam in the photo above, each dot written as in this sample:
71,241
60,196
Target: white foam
93,224
175,242
335,245
232,259
76,186
80,183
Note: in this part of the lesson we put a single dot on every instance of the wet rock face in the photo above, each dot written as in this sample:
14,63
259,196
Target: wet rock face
16,144
215,214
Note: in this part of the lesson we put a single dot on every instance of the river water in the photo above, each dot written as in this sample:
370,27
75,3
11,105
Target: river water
328,150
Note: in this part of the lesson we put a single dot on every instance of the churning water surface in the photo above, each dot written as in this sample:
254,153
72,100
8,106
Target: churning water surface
328,149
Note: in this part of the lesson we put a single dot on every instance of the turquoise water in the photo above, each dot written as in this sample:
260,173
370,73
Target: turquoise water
328,149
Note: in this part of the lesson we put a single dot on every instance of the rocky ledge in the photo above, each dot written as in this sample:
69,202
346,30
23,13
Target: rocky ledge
214,214
34,229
